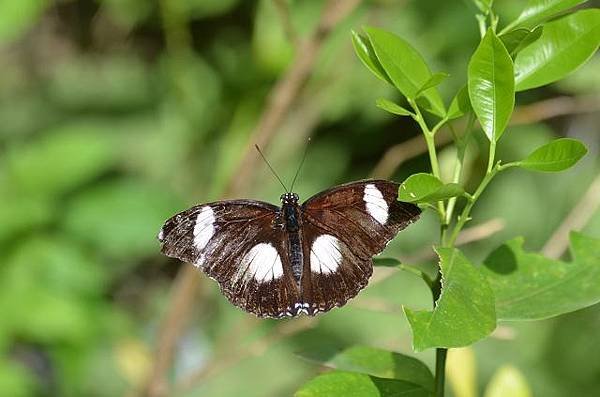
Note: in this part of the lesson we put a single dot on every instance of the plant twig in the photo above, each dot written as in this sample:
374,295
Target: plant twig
281,99
396,155
576,220
286,91
284,14
224,361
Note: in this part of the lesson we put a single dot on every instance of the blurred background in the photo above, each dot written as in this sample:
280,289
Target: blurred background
116,114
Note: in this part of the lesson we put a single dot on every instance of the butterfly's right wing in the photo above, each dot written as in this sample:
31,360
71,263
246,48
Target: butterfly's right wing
242,246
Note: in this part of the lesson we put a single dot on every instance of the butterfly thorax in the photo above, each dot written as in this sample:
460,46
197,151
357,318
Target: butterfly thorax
291,219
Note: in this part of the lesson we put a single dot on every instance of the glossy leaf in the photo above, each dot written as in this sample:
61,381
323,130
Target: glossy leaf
538,11
460,105
465,311
564,45
404,65
340,383
557,155
391,107
435,80
366,53
508,382
529,286
518,39
375,362
426,188
491,85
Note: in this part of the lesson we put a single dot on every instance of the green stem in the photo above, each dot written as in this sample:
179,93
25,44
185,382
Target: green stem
440,371
464,216
430,141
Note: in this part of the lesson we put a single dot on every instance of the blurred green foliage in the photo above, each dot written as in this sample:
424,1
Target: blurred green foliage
116,114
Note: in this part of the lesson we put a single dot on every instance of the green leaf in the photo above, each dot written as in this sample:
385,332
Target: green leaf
63,158
16,17
391,107
463,314
339,383
121,218
529,286
426,188
405,66
460,105
538,11
376,362
491,85
564,45
366,53
435,80
518,39
557,155
508,381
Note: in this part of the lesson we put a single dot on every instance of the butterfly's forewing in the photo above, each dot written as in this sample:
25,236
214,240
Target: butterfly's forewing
343,228
238,244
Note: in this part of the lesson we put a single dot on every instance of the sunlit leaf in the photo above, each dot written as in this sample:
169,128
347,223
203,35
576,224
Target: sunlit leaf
391,107
538,11
529,286
435,80
508,382
463,314
557,155
461,371
564,45
492,85
375,362
339,383
366,53
404,65
18,16
426,188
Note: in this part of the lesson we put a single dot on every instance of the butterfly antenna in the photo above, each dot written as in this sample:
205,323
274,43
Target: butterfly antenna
271,168
301,163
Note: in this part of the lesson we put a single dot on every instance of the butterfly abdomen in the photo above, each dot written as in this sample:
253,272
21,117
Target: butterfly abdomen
291,215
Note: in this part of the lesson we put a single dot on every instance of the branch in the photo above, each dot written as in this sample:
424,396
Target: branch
281,99
395,156
236,354
576,220
286,91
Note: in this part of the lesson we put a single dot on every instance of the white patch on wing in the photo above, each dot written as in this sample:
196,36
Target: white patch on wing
204,228
325,254
262,263
376,204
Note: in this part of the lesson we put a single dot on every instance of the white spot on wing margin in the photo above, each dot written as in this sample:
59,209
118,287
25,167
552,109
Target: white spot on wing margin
376,205
204,228
325,255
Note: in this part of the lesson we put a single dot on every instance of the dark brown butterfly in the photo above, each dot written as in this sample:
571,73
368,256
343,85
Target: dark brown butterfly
280,262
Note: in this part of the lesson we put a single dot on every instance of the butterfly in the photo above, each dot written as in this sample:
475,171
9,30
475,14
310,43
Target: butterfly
295,259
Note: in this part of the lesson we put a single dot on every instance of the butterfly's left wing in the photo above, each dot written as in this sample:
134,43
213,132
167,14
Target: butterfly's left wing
343,228
240,244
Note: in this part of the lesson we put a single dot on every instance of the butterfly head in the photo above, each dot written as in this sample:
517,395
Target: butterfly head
289,198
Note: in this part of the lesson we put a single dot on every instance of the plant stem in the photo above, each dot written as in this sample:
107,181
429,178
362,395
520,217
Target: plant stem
430,141
440,371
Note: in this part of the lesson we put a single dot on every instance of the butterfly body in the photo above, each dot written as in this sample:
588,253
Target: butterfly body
283,261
